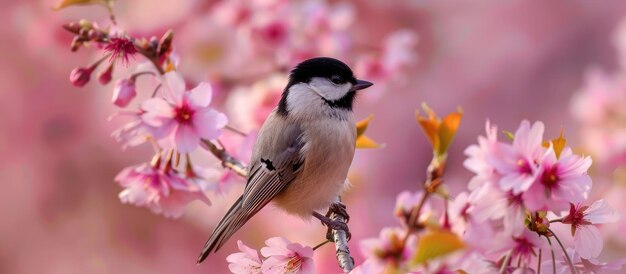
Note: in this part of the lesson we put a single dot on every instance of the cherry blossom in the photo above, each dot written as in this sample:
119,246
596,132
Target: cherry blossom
162,191
283,256
124,92
245,262
479,155
406,202
388,252
560,181
185,116
492,203
517,163
587,238
122,48
522,247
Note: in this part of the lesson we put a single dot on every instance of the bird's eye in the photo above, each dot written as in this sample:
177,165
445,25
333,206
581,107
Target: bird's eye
336,79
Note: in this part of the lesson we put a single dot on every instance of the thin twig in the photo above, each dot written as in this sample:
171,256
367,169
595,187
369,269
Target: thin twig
539,263
569,260
320,245
552,252
239,132
506,261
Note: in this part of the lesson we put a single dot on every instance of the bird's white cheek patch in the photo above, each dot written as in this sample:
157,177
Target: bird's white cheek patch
328,90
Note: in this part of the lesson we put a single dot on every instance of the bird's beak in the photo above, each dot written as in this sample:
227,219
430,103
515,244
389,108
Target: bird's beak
361,84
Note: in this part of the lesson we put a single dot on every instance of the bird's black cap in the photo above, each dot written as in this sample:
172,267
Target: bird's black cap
324,67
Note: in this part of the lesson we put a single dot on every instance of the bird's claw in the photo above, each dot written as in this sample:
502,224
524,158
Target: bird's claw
340,209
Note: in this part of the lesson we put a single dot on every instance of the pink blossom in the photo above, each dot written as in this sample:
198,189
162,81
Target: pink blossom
388,251
207,179
248,107
523,247
185,116
124,92
587,237
284,256
560,181
135,132
162,191
406,202
478,157
518,163
122,48
245,262
400,50
462,222
491,203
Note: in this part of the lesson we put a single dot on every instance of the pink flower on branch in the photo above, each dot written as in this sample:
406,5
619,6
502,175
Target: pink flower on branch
124,92
245,262
560,181
388,252
122,48
587,237
184,115
517,163
162,191
284,256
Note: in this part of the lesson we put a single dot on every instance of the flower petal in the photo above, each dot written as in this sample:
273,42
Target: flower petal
588,241
175,85
208,122
200,96
157,112
600,212
185,139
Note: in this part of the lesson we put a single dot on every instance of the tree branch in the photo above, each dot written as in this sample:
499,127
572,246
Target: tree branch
342,252
227,160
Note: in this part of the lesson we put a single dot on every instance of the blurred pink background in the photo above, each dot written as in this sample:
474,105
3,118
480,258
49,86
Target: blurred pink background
498,60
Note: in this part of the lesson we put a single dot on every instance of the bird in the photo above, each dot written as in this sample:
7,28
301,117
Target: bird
303,151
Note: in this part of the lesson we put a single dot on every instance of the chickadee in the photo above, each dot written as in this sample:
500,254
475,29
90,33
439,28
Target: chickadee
303,150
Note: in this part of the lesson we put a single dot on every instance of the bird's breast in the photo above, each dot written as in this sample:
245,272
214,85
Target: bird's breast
328,153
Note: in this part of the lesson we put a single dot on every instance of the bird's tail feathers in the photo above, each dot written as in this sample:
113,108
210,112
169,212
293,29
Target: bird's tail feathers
234,219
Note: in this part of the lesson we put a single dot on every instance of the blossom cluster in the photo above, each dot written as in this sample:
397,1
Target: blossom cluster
279,256
523,192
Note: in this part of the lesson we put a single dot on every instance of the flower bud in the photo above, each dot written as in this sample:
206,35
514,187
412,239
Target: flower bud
72,27
76,43
80,76
124,92
105,76
166,43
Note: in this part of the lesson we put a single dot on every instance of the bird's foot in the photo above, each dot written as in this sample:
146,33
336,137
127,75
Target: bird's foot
333,225
340,209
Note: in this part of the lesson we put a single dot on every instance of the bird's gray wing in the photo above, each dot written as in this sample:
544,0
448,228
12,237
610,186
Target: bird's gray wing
271,172
276,162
